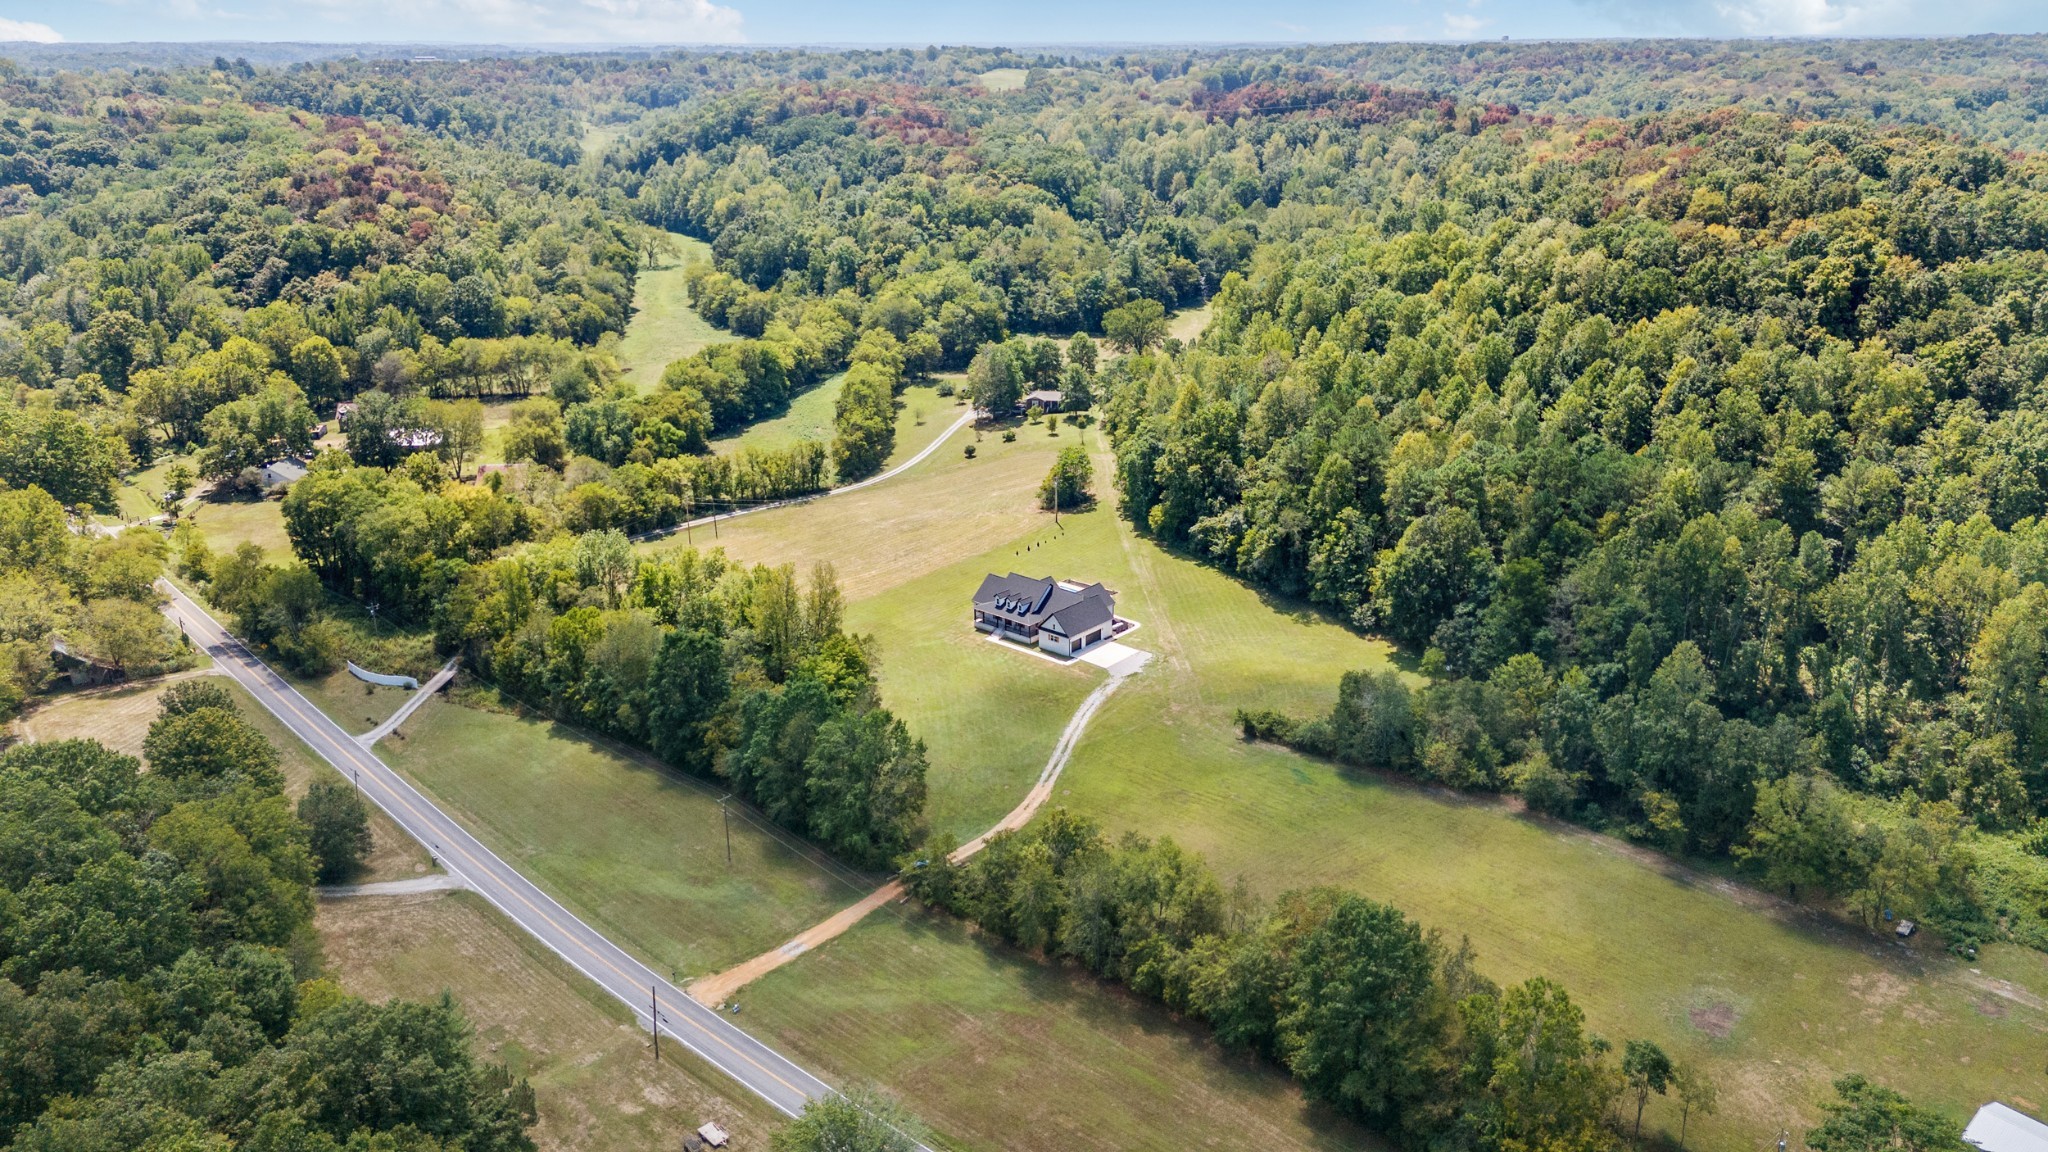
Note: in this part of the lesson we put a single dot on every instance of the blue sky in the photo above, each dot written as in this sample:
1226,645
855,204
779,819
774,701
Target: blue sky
951,21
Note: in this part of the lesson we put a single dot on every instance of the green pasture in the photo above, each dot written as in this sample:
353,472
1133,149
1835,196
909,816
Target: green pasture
228,524
629,847
1772,1002
809,416
664,327
996,1050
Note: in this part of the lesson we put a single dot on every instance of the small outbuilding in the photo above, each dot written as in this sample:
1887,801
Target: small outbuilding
712,1135
1997,1128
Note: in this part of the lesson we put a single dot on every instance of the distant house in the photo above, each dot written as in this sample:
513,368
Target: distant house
1042,400
1997,1128
284,471
342,412
1060,616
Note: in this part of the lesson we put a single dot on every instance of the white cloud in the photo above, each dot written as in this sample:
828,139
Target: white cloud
547,21
18,30
1464,24
1805,17
1819,17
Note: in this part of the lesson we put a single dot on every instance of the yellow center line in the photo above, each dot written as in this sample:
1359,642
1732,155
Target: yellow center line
249,662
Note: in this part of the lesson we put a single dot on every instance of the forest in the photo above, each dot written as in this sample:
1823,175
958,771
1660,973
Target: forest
1675,406
159,978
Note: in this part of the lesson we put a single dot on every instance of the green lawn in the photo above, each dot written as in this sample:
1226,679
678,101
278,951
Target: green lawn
356,705
808,417
595,1082
947,509
1004,79
1185,326
995,1050
1774,1003
139,495
632,849
497,417
226,525
664,327
921,413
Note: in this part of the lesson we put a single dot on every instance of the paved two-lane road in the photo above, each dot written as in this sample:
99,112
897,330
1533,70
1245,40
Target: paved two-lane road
756,1066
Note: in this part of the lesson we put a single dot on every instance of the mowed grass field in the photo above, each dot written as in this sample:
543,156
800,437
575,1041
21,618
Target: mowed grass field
1772,1002
228,524
1186,325
664,327
631,848
808,417
595,1081
920,414
996,1050
120,717
947,509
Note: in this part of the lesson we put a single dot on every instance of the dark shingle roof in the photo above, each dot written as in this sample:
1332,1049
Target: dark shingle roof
1042,601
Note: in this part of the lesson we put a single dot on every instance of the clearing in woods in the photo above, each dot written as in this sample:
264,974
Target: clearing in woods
1186,325
808,417
664,326
1004,79
227,524
1772,1002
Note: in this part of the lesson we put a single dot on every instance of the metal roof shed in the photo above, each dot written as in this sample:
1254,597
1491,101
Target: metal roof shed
1997,1128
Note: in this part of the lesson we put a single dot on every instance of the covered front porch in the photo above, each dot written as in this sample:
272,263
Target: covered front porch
998,624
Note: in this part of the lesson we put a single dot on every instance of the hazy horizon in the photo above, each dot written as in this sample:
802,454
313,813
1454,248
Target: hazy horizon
532,24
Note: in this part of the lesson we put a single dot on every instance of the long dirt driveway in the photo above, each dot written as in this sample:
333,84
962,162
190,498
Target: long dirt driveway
714,990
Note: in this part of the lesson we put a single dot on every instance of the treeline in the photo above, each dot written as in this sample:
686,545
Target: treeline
721,670
1697,460
744,674
1368,1012
159,978
1754,790
401,537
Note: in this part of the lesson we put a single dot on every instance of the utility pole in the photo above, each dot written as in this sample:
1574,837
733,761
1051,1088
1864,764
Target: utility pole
654,1018
726,814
